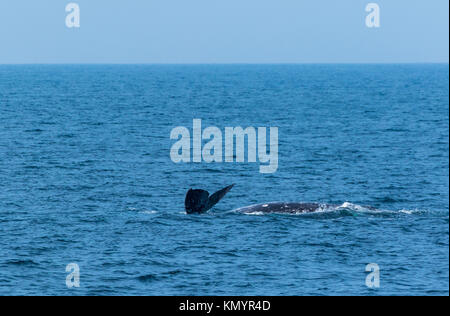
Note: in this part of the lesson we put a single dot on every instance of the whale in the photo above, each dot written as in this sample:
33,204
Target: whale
199,201
285,207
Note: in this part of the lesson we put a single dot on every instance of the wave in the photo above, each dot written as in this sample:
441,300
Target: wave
345,209
21,262
148,212
142,211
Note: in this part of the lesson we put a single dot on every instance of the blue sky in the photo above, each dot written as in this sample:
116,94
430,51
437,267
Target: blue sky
223,31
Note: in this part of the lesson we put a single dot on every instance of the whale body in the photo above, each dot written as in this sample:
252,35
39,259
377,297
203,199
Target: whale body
284,207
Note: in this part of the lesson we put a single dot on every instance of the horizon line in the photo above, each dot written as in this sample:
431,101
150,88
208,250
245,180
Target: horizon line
227,63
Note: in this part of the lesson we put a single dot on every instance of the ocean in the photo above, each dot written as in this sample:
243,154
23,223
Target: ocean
86,177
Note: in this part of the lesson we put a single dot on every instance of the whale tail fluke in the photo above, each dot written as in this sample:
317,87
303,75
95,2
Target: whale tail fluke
199,201
216,197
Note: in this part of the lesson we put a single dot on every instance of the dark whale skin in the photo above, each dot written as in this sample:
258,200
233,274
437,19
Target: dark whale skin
283,207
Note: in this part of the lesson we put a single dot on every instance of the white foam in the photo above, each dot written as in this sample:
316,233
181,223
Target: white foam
254,213
149,212
353,207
